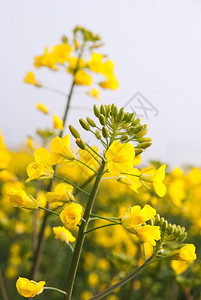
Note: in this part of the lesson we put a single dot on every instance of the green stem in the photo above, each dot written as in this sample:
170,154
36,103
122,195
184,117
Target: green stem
54,90
110,178
105,218
73,184
71,248
81,162
81,235
94,151
49,210
54,289
101,227
145,256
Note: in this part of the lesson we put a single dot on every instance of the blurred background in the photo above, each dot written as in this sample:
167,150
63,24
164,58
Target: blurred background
154,44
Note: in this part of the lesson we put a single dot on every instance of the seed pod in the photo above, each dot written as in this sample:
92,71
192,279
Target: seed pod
96,111
98,134
120,115
102,120
124,138
74,132
105,132
91,122
84,124
103,110
81,144
144,145
138,151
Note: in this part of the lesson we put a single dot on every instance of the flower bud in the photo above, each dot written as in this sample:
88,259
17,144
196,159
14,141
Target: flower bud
144,145
138,129
124,138
136,122
98,134
165,225
141,133
102,120
131,118
96,111
157,219
108,110
143,140
120,115
91,122
84,124
138,151
81,144
115,112
105,132
125,180
74,132
103,110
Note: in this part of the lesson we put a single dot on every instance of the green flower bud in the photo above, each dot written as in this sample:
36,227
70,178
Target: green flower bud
84,124
120,115
165,225
138,129
131,118
157,219
141,133
74,132
81,144
161,222
124,138
143,140
136,122
102,120
170,229
103,110
108,110
115,112
144,145
91,122
138,151
98,134
96,111
105,132
182,237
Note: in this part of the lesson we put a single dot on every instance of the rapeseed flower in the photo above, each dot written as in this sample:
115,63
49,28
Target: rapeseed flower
71,214
29,288
95,64
62,52
46,60
19,198
94,93
62,193
60,148
63,234
57,123
42,108
41,168
82,78
120,158
187,253
30,78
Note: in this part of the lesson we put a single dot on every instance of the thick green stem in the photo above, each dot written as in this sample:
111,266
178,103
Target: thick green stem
81,235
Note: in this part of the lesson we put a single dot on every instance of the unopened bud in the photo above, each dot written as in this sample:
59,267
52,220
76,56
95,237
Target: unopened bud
124,138
115,112
182,237
138,151
81,144
105,132
84,124
144,145
138,129
141,133
74,132
91,122
120,115
103,110
136,122
102,120
143,140
98,134
165,225
170,229
96,111
124,180
157,219
131,118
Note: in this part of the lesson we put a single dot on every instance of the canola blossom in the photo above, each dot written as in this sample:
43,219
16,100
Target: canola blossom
29,288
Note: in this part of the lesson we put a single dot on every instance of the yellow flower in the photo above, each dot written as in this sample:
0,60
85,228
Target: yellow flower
47,60
62,52
95,64
6,176
19,198
136,216
120,158
133,180
40,169
30,78
62,193
110,83
82,78
179,266
94,93
29,288
157,179
58,123
149,233
60,149
93,279
63,234
71,214
4,154
187,252
108,69
42,108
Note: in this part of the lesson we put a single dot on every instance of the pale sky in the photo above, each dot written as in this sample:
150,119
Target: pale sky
156,48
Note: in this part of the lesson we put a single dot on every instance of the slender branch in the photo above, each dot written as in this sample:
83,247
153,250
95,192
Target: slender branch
144,250
81,162
93,156
49,210
71,248
54,289
94,151
54,90
73,184
101,227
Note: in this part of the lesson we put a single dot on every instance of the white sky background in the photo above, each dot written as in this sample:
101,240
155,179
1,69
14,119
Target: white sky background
156,48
